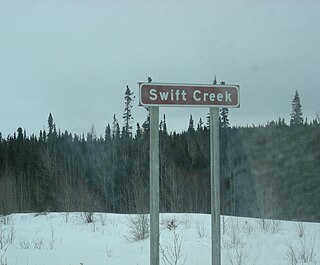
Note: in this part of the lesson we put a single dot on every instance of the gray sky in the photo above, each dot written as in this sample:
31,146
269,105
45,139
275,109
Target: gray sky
75,58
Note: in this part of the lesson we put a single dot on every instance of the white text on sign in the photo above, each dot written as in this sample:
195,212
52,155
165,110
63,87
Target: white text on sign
181,95
189,95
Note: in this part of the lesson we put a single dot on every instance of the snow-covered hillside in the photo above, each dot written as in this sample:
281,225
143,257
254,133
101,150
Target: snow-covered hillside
68,239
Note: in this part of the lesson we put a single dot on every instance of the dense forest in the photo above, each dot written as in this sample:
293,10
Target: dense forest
270,171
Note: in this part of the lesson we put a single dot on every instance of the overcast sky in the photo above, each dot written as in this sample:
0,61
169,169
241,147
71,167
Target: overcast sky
75,58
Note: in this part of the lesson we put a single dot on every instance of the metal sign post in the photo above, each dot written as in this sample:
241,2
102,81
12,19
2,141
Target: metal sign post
187,95
215,185
154,185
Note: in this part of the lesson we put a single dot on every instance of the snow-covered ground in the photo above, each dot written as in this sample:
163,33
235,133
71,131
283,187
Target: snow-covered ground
67,239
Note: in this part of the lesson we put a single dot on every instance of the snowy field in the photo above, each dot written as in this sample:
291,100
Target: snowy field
68,239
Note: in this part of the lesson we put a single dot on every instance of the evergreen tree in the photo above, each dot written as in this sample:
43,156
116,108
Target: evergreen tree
107,134
200,125
164,125
296,113
146,127
139,131
50,125
115,128
20,135
191,125
44,135
92,136
127,115
208,115
40,137
208,121
54,134
224,120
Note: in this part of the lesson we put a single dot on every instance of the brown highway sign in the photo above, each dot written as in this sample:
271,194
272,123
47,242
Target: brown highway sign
189,95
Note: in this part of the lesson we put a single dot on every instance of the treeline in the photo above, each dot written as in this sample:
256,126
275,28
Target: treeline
270,171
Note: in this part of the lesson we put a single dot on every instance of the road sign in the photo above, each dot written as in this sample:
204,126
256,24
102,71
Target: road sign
189,95
186,95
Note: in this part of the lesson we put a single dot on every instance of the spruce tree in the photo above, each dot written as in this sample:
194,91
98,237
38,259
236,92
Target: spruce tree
200,125
164,125
208,121
139,131
127,115
146,127
191,125
107,134
296,113
115,128
224,120
50,125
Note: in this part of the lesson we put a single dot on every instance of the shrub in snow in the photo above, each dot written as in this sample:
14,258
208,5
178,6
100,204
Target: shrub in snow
224,225
169,223
3,260
234,234
88,217
102,219
4,240
201,231
264,224
108,252
6,220
38,243
300,229
302,253
238,257
11,234
52,239
138,228
275,226
248,228
172,224
291,254
171,253
24,244
40,213
66,216
306,249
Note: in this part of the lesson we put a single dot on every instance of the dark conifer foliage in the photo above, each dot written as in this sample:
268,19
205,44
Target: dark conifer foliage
127,114
191,125
224,120
267,171
296,113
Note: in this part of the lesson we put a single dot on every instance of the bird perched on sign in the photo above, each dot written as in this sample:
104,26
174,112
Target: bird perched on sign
215,80
149,79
